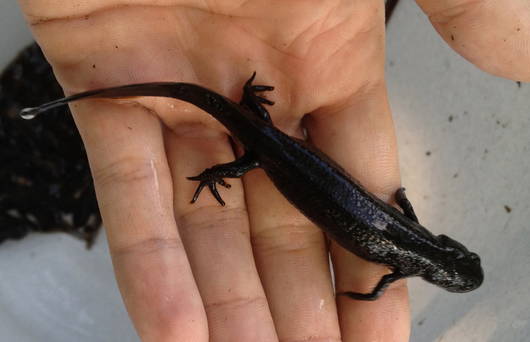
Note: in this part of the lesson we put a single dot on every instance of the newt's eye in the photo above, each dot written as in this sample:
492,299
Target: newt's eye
474,257
459,255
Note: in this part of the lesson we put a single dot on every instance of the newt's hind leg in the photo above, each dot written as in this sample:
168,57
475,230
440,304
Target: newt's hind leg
255,102
378,290
405,205
215,174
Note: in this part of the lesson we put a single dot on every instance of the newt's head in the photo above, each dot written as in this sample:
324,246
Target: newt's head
457,271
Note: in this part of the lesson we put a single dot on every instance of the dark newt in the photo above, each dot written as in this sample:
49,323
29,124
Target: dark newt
316,185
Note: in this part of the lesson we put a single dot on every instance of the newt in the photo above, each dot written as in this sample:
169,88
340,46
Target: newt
317,186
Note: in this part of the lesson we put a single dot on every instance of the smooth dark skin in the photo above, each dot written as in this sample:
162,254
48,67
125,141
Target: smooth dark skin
256,269
318,187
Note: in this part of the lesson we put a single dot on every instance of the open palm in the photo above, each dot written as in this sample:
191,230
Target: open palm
255,270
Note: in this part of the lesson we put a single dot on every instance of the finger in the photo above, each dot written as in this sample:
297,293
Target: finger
360,137
133,186
493,35
216,238
293,263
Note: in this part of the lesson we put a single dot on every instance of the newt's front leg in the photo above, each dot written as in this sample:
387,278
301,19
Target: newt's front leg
255,102
215,174
405,205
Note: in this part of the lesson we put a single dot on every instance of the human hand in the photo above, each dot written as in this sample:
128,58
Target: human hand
255,269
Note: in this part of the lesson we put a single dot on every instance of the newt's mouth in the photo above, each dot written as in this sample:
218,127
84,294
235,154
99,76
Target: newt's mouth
471,275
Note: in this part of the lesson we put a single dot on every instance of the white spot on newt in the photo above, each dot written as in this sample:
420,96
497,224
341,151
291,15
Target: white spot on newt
381,225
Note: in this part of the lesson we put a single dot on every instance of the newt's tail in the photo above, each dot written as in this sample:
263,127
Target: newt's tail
208,100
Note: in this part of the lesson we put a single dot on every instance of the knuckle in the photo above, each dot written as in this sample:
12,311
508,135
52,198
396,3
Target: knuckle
232,303
213,217
442,14
288,239
313,339
125,171
147,246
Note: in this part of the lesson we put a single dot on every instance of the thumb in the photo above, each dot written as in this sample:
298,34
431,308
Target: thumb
493,35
